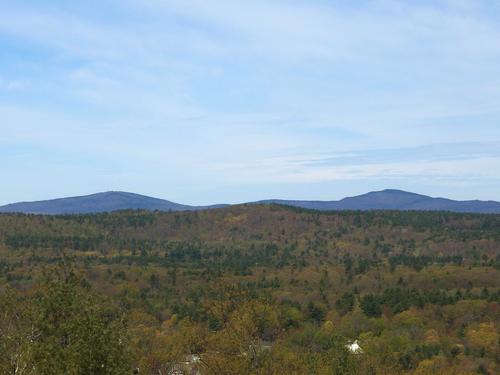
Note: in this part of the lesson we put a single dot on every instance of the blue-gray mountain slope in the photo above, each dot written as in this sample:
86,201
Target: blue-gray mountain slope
394,200
380,200
100,202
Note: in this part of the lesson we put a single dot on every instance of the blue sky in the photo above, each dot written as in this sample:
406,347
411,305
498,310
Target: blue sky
208,101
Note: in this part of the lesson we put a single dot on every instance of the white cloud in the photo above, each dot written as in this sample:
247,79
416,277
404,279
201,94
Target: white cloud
227,90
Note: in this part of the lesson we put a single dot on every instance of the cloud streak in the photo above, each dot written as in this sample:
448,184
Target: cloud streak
177,97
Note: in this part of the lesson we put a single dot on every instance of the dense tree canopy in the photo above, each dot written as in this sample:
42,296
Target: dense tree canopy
250,290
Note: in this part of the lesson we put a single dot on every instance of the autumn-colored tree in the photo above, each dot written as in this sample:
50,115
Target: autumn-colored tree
483,337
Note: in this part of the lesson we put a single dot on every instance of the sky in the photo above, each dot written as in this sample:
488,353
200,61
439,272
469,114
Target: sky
225,101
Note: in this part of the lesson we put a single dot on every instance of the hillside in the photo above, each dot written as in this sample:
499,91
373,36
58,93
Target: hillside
420,291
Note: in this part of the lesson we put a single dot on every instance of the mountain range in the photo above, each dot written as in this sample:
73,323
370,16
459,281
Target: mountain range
379,200
100,202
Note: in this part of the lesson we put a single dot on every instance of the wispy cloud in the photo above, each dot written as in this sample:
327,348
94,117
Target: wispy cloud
464,161
230,93
440,152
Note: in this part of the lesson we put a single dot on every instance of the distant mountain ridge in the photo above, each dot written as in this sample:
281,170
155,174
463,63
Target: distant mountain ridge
99,202
379,200
392,199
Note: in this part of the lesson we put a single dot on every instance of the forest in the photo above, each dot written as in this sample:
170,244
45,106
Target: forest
250,289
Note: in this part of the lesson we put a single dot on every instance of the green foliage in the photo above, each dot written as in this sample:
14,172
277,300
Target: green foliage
16,335
250,290
371,306
345,303
65,330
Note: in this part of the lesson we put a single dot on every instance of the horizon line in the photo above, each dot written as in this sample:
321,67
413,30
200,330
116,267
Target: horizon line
245,202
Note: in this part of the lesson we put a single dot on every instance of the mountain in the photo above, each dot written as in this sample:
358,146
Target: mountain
100,202
378,200
393,200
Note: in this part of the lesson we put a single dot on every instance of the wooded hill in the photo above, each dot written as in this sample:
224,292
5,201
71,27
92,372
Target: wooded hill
252,289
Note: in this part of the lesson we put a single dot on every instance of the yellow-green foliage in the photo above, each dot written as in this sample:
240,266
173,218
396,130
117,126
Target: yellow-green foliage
250,290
